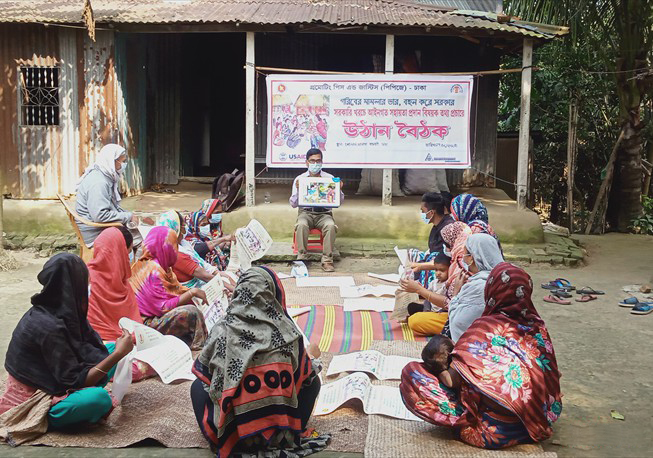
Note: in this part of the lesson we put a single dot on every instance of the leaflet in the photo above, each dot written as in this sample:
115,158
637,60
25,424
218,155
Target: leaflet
367,290
218,302
305,282
169,356
383,367
374,304
252,242
402,255
377,400
391,278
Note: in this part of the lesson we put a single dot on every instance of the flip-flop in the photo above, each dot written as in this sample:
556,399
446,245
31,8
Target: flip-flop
556,300
561,293
555,285
566,284
586,298
631,302
642,309
588,290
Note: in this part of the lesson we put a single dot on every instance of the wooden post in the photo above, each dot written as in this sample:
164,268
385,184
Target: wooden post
571,160
386,195
250,127
524,124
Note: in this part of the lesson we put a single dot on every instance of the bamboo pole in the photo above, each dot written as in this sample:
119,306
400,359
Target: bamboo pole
524,125
386,192
571,160
250,126
607,181
329,72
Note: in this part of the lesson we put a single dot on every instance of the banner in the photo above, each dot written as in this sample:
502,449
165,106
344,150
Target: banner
370,121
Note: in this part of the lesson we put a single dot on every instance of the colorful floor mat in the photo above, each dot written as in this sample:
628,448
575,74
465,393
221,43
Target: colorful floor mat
337,331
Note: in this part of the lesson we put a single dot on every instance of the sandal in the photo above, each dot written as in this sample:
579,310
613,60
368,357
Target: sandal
556,300
566,284
561,293
631,302
642,309
558,284
586,298
588,290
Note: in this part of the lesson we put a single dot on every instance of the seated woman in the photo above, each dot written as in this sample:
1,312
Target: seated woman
470,210
164,304
54,349
505,388
98,198
256,385
204,233
191,270
432,212
433,322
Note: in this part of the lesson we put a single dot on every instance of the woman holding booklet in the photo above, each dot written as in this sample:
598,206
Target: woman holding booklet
164,303
256,385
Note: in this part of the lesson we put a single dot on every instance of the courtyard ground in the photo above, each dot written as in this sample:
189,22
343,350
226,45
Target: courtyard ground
602,351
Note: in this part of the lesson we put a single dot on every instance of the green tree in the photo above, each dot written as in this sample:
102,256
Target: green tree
619,33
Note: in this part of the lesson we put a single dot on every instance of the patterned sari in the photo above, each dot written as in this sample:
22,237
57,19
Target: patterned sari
255,369
510,392
157,290
194,220
455,236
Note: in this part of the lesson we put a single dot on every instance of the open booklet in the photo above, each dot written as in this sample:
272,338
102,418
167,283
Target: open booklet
252,242
367,290
169,356
383,367
217,299
379,400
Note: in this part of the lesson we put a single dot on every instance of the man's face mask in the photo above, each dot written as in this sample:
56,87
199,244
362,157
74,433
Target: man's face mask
205,231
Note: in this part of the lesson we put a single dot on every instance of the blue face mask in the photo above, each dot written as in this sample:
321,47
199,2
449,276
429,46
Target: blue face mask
131,257
215,218
205,231
314,168
425,218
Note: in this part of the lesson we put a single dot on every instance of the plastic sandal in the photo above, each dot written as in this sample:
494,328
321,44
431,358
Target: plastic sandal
586,298
556,300
561,293
642,309
556,285
631,302
566,284
588,290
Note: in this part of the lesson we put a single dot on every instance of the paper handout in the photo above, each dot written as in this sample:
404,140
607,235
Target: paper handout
305,282
217,302
374,304
402,255
252,242
144,230
391,278
383,367
169,356
367,290
380,400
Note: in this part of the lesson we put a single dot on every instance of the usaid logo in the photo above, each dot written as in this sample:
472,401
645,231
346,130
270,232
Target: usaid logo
283,156
293,157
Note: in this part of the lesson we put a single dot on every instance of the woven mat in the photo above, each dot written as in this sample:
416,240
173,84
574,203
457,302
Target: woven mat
325,294
150,410
408,439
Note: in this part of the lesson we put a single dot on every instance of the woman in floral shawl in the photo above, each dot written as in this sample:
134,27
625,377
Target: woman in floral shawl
204,233
164,303
510,389
256,384
470,210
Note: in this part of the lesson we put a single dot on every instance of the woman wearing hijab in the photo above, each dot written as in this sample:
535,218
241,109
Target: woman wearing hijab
164,303
191,270
470,210
429,323
204,233
56,355
506,384
256,385
98,198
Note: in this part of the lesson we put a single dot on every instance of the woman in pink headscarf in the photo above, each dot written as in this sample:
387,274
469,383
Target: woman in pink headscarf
164,303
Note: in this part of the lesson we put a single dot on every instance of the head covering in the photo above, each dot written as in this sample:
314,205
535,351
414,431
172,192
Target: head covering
254,364
507,355
105,162
469,209
111,296
469,303
156,286
53,346
170,219
455,235
485,251
208,207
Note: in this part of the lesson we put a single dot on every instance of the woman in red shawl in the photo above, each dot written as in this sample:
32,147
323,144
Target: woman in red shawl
510,389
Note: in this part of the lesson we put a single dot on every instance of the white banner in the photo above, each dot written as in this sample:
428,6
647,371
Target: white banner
370,121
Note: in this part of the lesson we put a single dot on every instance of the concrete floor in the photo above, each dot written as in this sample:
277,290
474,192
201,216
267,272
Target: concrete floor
358,217
602,351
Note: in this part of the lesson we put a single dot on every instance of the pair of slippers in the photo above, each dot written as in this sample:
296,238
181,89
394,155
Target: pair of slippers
557,299
637,307
561,291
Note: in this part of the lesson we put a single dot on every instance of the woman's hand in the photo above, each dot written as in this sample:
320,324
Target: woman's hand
228,283
410,286
415,266
124,343
200,294
460,281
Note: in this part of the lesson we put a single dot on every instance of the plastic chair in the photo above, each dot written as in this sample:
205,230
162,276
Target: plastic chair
314,244
85,252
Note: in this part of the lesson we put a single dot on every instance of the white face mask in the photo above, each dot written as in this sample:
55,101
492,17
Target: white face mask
89,290
205,231
314,168
123,167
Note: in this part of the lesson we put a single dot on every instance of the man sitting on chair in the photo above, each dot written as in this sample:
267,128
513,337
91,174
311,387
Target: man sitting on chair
314,217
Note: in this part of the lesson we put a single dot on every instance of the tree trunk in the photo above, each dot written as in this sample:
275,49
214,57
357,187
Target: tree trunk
629,172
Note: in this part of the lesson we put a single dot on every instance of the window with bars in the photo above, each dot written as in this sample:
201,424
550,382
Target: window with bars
39,96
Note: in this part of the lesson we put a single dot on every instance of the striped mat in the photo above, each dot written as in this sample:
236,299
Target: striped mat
337,331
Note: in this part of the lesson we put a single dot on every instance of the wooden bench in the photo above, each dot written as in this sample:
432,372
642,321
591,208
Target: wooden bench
85,252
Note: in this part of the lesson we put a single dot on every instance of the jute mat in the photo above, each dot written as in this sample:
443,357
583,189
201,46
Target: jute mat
325,294
150,410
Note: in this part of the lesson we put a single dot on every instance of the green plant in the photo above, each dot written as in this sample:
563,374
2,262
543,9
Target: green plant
644,224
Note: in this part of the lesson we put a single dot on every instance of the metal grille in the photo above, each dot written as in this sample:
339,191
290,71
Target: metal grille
39,96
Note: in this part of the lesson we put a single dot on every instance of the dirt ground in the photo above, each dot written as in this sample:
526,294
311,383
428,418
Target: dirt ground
601,349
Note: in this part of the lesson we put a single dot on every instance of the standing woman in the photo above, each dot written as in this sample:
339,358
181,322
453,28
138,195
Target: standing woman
421,262
56,354
164,303
256,385
98,198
